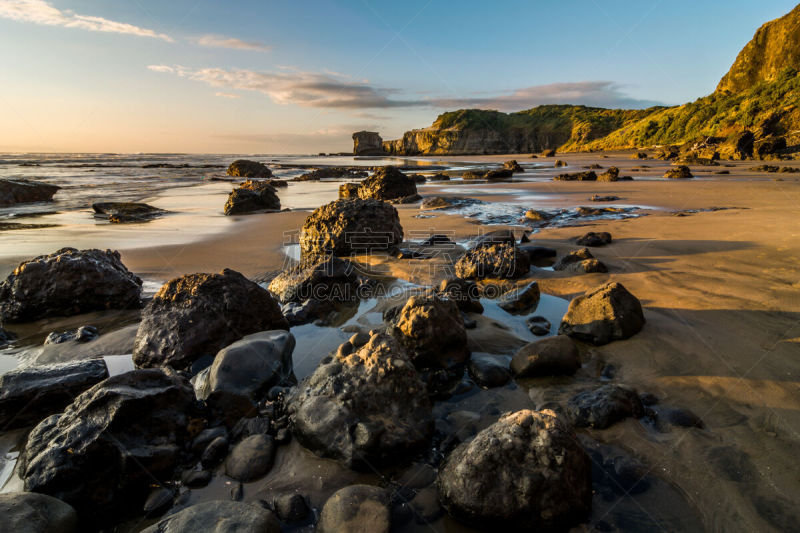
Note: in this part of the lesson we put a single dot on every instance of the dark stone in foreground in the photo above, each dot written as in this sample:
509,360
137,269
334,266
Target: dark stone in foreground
326,279
526,471
522,300
580,261
356,508
488,370
23,191
244,168
102,454
68,282
602,407
28,512
679,172
502,261
82,334
123,212
603,314
28,395
588,175
388,184
251,459
218,517
252,197
594,239
547,357
198,314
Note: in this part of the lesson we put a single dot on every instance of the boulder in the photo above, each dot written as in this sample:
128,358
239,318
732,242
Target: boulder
251,459
548,153
559,163
537,215
349,190
592,238
738,146
600,198
367,143
513,166
321,278
502,261
30,394
578,261
364,408
446,202
463,292
103,453
603,314
68,282
123,212
679,172
612,174
356,508
23,191
351,226
588,175
488,370
198,314
218,516
331,173
431,330
639,155
527,471
604,406
291,507
243,168
28,512
388,184
498,236
535,253
81,334
539,325
521,300
552,356
258,197
252,365
498,174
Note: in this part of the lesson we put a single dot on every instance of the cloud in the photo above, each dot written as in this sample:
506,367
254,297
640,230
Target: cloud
219,41
41,12
591,93
227,95
161,68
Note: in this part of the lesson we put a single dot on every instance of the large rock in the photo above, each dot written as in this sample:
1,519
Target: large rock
124,212
463,292
28,512
198,314
367,407
30,394
431,329
527,471
321,278
251,459
244,168
102,454
588,175
593,238
612,174
24,191
388,184
218,517
351,226
356,508
602,407
578,261
253,197
679,172
603,314
251,366
367,143
68,282
552,356
502,261
522,300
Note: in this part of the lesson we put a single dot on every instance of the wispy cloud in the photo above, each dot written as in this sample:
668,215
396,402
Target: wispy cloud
41,12
227,95
219,41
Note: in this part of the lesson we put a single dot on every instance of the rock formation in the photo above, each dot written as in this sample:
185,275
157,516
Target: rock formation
367,143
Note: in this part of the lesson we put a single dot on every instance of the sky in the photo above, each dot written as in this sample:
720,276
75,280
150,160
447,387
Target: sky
281,77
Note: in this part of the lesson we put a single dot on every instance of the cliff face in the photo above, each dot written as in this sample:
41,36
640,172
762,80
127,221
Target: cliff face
774,48
367,143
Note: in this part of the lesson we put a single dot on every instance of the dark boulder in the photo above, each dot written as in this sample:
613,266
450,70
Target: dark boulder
23,191
28,512
349,190
513,166
258,197
536,253
502,261
320,278
679,172
102,454
68,282
463,292
592,238
560,163
218,516
579,261
364,407
527,471
603,314
612,174
331,173
498,174
198,314
488,370
30,394
548,153
351,226
539,325
600,198
251,459
243,168
388,184
521,300
588,175
446,202
602,407
81,334
553,356
123,212
768,146
356,508
291,508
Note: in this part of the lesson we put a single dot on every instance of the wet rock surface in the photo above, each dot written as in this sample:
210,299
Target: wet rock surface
28,512
14,192
251,459
579,261
320,278
489,370
244,168
253,197
603,314
218,517
588,175
356,508
68,282
679,172
198,314
594,239
463,292
126,212
388,184
604,406
521,300
547,357
502,261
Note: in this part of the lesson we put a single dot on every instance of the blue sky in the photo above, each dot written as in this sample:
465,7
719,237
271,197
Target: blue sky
292,77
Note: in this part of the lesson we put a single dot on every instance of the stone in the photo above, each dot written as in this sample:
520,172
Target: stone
349,190
592,238
537,215
579,261
68,282
463,292
356,508
204,438
159,500
768,146
124,212
536,253
522,300
499,173
559,163
320,278
215,452
102,454
30,394
252,199
196,479
490,238
548,153
488,370
332,173
677,416
639,155
539,325
367,143
29,512
14,192
603,314
291,508
82,334
431,330
445,202
218,516
368,407
198,314
599,198
679,172
612,174
251,459
243,168
387,184
527,471
351,226
588,175
551,356
251,426
425,506
602,407
501,261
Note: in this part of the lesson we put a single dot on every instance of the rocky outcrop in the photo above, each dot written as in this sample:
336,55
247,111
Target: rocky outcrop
603,314
28,512
612,174
588,175
102,454
390,185
218,516
526,471
332,173
679,172
592,238
367,143
363,406
253,197
30,394
513,166
198,314
502,261
579,261
68,282
320,278
244,168
604,406
23,191
351,226
349,190
463,292
126,212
